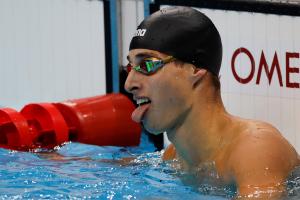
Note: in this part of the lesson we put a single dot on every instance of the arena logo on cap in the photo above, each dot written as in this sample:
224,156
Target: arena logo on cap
140,32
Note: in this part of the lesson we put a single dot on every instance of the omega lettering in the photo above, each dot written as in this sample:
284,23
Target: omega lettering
268,69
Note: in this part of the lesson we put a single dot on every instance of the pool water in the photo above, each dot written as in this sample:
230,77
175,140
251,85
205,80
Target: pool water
93,172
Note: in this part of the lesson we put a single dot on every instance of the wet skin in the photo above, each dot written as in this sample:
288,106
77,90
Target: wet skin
184,103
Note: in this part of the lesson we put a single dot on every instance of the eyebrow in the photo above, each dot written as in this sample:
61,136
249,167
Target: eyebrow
145,55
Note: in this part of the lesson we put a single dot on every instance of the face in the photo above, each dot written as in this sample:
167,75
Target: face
165,96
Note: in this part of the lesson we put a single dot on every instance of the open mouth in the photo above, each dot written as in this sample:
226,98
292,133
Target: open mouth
143,106
143,101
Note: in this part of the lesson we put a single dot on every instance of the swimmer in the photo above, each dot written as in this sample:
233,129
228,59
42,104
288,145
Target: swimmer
173,73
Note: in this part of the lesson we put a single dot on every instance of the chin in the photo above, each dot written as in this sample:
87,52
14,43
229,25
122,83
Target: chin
153,129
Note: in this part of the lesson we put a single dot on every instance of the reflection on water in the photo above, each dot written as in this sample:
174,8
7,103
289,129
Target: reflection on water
206,180
293,185
73,176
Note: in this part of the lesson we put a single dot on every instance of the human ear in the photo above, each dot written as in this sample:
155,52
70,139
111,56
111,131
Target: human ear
198,76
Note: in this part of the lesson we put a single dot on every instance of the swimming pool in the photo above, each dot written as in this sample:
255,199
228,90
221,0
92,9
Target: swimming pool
92,172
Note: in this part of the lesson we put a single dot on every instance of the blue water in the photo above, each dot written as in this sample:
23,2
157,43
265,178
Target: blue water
78,171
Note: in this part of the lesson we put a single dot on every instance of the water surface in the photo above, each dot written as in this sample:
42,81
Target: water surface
93,172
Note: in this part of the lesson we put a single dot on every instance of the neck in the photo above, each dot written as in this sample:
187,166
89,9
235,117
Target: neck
202,132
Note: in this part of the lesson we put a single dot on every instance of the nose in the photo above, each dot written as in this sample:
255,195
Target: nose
132,83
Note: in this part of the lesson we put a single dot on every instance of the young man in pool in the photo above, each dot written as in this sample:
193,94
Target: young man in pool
174,63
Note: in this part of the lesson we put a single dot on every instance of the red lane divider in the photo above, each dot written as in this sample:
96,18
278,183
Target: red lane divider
100,120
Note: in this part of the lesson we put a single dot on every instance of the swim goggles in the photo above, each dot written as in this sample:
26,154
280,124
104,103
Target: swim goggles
150,65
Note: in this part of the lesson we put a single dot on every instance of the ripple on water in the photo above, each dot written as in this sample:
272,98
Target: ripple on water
33,176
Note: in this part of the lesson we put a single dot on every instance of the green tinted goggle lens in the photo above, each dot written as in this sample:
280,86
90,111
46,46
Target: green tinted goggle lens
149,65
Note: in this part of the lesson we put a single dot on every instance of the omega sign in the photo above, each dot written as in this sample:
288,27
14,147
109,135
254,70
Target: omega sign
270,69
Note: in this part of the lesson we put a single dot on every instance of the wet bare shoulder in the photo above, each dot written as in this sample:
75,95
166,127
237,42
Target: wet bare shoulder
262,139
261,157
270,137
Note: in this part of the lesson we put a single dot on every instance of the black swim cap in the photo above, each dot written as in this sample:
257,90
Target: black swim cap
184,33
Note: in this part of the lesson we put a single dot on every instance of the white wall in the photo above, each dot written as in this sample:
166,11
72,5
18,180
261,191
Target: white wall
279,105
50,50
132,14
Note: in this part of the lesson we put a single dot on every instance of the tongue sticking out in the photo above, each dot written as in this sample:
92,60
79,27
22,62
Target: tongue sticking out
139,112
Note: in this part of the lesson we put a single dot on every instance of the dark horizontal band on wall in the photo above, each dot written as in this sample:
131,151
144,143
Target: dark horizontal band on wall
259,6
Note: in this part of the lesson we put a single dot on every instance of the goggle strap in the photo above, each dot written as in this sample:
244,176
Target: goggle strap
168,59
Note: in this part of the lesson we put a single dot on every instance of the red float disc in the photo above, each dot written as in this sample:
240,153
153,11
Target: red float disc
14,130
50,125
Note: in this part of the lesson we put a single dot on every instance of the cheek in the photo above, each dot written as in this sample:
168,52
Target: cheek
170,98
179,90
172,93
